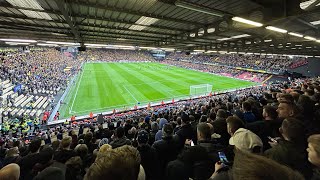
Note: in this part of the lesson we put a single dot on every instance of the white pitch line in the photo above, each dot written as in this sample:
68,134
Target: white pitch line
74,98
130,93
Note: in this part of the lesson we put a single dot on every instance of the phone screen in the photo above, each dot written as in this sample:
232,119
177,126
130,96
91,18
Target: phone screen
223,157
272,139
192,144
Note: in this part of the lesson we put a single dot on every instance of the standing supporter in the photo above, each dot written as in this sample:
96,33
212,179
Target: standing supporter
255,167
287,109
119,138
186,131
290,150
220,126
44,118
162,122
167,148
153,132
65,153
314,154
242,138
269,127
196,161
149,157
27,162
248,116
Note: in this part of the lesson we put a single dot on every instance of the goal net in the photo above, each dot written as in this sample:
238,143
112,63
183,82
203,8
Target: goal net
201,89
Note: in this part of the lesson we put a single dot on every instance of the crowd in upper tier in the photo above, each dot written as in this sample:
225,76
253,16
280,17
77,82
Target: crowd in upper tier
220,69
258,62
115,55
268,132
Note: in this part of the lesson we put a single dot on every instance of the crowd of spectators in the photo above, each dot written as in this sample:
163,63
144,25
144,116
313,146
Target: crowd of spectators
267,132
115,55
219,69
257,62
41,70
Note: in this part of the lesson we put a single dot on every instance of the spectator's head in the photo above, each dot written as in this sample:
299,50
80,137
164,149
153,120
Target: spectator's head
55,144
286,98
245,140
103,141
10,172
81,150
120,132
154,126
66,143
167,131
203,118
246,106
185,118
203,131
269,113
88,137
233,124
221,113
287,109
314,149
143,137
258,168
35,145
74,166
12,152
292,130
119,163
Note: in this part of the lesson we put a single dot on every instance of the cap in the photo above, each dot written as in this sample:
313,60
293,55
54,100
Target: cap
143,136
245,140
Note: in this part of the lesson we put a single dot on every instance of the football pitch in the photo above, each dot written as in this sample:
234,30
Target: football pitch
102,87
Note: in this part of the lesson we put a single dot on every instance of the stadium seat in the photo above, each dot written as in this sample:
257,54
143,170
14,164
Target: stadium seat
37,101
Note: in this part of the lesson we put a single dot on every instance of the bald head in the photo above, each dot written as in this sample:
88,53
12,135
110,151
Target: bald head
10,172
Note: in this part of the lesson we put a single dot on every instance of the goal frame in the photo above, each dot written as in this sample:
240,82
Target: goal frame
208,89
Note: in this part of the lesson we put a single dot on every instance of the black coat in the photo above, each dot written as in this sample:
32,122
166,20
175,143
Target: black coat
193,162
264,129
220,127
167,149
291,154
120,142
149,161
64,155
186,132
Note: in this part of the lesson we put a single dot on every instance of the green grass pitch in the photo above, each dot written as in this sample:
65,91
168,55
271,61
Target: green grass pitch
103,87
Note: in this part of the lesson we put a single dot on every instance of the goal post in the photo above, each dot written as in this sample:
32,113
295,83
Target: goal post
201,89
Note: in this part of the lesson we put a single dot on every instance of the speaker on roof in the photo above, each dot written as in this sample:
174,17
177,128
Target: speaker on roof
82,48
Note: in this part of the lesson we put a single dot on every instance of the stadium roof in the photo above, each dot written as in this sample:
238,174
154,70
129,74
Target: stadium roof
181,24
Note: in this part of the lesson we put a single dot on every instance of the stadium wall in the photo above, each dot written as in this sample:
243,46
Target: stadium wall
311,69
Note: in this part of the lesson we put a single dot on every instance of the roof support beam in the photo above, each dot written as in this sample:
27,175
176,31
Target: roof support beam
137,13
62,7
82,24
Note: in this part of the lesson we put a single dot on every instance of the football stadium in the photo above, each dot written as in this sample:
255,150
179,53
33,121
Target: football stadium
159,89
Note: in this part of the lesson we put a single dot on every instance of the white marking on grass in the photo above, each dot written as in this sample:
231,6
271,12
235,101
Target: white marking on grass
130,93
75,95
